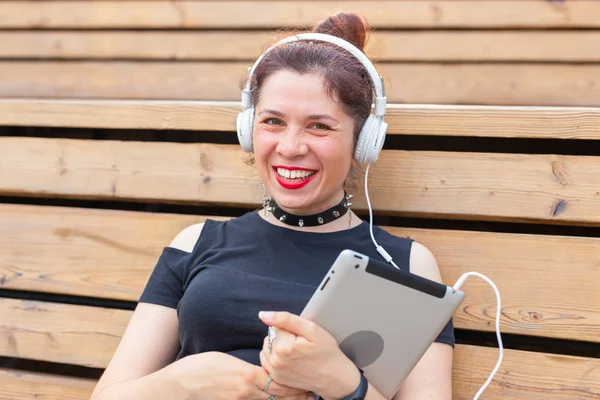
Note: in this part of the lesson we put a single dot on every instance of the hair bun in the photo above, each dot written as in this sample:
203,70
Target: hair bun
348,26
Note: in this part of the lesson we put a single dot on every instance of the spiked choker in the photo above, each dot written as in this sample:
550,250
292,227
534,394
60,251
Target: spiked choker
321,218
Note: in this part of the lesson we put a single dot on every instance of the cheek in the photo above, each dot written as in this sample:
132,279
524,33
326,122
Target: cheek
264,146
338,153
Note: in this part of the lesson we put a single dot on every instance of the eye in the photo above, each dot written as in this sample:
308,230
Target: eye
320,126
273,122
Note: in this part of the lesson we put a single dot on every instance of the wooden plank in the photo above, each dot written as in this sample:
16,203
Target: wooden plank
408,119
548,46
99,253
481,84
273,14
524,375
26,385
159,45
528,270
54,332
522,46
71,334
110,254
483,186
166,114
469,372
493,121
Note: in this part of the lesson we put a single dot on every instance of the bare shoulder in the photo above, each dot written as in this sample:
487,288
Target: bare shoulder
423,262
187,238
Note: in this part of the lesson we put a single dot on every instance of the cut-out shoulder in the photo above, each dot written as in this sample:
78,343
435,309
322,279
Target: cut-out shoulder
423,263
187,238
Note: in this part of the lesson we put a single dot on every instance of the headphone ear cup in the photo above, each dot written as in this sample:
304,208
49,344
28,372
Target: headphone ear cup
377,139
364,138
245,121
371,139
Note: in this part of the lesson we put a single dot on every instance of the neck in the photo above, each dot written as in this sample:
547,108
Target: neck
348,221
322,221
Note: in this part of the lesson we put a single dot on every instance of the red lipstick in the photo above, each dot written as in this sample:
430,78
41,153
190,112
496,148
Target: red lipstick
296,183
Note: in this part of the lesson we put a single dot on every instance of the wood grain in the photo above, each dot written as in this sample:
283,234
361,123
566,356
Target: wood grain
494,121
481,186
528,270
408,119
71,334
86,335
161,114
110,254
497,84
547,46
524,375
521,46
273,14
27,385
480,84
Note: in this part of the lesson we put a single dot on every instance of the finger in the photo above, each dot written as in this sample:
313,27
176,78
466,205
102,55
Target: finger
285,391
290,322
275,387
283,345
265,362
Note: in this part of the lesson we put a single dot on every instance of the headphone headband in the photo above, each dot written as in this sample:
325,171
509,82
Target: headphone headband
376,80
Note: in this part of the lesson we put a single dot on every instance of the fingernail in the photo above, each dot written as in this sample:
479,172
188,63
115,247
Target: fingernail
312,397
266,315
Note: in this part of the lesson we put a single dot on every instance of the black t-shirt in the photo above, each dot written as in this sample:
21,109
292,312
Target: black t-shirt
242,266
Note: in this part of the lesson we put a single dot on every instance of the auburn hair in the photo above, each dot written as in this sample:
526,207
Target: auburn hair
346,79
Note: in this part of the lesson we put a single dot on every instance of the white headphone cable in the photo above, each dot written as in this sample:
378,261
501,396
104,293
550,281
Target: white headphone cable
456,286
387,257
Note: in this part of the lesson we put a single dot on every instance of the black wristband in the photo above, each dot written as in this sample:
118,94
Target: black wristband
361,391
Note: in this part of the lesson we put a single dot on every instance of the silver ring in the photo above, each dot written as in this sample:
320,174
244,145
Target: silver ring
272,337
272,397
269,380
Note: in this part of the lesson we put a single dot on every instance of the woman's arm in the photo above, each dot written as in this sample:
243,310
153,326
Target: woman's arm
143,368
150,342
301,345
432,376
427,381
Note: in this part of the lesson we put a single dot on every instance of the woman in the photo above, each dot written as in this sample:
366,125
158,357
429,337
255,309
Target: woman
196,333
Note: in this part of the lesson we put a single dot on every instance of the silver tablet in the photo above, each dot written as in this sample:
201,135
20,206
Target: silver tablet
383,319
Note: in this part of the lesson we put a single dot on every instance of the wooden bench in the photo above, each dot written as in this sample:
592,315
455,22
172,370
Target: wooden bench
526,52
106,153
80,261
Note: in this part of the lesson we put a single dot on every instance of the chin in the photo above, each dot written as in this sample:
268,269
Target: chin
293,202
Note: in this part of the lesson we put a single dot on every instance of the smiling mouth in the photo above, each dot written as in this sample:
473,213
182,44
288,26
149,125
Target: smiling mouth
294,175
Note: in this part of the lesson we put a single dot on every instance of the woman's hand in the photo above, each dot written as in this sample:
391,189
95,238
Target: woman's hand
304,355
216,376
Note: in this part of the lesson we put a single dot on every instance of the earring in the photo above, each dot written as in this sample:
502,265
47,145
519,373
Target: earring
266,201
348,204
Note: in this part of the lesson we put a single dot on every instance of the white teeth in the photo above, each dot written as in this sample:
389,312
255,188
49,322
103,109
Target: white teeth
283,172
286,173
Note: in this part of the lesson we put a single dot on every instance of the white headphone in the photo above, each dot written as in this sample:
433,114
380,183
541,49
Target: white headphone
372,134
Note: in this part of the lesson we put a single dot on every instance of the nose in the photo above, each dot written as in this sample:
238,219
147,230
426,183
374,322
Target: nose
292,142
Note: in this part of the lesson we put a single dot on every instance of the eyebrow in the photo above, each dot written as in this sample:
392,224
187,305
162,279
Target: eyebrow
313,116
322,116
267,111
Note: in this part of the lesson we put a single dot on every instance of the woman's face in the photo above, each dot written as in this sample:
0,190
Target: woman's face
303,142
